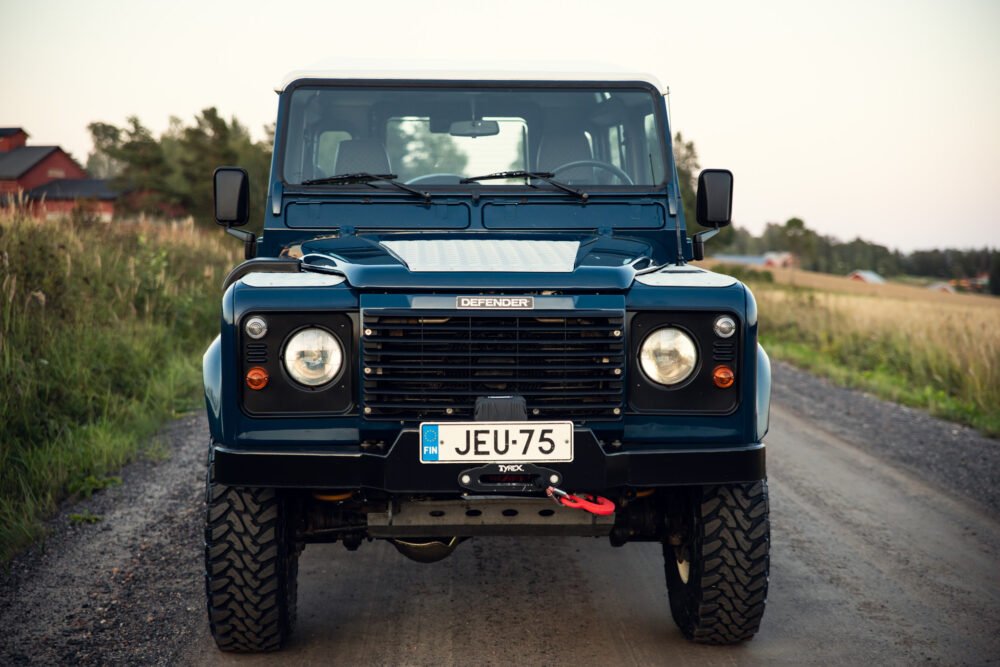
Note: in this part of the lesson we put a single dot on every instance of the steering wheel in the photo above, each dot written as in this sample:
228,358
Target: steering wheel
597,164
435,179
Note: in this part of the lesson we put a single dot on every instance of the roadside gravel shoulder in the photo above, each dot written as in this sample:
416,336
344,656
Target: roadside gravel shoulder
954,457
124,590
129,588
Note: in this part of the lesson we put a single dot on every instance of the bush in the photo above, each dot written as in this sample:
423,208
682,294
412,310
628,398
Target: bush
101,330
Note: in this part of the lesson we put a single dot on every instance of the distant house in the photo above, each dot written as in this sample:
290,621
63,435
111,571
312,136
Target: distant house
25,167
783,260
60,198
869,277
768,259
942,287
745,260
50,178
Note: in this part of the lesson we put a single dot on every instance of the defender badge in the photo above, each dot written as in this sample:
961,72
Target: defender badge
495,302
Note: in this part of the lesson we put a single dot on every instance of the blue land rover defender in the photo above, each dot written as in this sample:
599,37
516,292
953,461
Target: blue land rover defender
471,313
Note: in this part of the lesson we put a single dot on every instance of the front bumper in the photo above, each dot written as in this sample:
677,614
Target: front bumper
595,467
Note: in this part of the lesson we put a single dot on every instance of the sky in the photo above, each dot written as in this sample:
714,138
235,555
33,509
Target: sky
872,119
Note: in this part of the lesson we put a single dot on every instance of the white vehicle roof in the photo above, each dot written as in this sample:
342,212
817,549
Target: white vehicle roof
592,73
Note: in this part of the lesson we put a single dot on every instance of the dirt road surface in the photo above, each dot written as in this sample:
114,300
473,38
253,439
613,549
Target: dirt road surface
886,550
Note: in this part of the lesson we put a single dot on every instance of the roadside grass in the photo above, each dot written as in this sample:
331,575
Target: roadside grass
939,355
102,328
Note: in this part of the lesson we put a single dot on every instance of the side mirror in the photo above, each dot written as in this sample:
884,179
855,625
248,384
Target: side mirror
232,196
715,198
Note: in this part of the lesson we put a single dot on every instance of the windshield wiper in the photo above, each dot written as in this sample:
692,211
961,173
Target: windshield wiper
367,179
540,175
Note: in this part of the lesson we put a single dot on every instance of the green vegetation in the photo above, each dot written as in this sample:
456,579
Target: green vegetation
101,332
172,175
941,357
85,517
829,255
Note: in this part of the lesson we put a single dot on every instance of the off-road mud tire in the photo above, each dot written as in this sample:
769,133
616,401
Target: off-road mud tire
251,567
728,541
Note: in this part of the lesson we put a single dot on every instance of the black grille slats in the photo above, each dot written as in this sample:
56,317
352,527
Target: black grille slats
422,366
256,353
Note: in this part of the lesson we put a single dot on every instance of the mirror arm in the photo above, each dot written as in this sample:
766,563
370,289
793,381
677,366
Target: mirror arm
249,241
698,243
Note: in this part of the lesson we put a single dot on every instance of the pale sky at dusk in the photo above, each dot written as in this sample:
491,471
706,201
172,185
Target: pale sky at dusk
879,119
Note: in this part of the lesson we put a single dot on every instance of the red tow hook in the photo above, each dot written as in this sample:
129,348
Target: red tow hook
589,503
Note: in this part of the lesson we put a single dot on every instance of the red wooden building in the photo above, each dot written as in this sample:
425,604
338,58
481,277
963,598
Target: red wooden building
53,182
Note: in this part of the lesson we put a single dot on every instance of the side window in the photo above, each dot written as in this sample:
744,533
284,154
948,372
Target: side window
326,151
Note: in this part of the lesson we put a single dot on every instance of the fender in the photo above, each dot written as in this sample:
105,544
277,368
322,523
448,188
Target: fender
211,369
763,393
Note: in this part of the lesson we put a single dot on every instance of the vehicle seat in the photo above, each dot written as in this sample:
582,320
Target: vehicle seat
354,155
559,147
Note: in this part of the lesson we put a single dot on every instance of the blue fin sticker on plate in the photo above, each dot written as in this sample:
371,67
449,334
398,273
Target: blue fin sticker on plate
429,442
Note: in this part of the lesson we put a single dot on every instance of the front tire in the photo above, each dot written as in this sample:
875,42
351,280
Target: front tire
716,560
251,567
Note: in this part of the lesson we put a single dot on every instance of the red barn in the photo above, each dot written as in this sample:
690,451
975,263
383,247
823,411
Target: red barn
25,167
61,198
52,181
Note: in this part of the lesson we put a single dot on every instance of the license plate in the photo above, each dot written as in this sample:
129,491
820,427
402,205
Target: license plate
524,442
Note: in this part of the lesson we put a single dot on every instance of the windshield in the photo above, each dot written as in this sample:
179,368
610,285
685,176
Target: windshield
440,136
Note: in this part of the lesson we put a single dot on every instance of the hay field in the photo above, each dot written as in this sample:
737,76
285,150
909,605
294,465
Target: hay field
928,349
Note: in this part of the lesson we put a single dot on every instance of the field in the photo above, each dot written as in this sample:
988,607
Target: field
932,350
101,332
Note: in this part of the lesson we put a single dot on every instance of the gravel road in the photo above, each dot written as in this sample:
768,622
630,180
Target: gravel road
886,549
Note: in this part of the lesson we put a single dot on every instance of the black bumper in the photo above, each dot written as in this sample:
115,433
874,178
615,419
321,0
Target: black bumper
399,470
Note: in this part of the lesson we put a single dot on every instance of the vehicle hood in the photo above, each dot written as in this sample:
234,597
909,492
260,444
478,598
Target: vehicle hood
480,261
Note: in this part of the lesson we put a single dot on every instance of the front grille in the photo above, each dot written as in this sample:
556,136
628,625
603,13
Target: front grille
425,366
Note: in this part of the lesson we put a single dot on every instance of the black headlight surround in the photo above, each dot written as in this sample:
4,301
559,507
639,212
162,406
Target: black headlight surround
697,394
283,396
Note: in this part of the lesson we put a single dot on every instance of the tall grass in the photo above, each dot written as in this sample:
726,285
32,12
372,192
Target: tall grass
930,353
101,330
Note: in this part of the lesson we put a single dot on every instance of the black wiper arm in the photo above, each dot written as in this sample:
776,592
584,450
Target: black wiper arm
540,175
355,177
368,179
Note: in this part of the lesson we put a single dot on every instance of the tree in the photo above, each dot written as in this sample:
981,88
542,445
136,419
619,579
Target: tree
173,175
995,273
416,151
106,138
139,166
686,157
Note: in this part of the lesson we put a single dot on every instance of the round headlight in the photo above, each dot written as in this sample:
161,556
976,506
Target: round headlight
668,356
313,357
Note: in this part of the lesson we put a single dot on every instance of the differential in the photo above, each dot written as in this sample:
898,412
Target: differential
426,550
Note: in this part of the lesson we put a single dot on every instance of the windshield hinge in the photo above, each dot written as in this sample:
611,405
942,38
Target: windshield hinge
276,198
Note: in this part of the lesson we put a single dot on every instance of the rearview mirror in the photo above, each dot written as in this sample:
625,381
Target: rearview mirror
474,128
232,196
715,198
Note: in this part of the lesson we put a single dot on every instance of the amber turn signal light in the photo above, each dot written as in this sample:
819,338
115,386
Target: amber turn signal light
257,378
723,377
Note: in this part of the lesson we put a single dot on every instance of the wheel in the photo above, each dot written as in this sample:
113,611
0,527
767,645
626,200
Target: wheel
716,562
251,567
598,164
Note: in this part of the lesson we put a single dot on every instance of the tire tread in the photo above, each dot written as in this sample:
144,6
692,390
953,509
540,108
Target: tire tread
728,592
250,568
